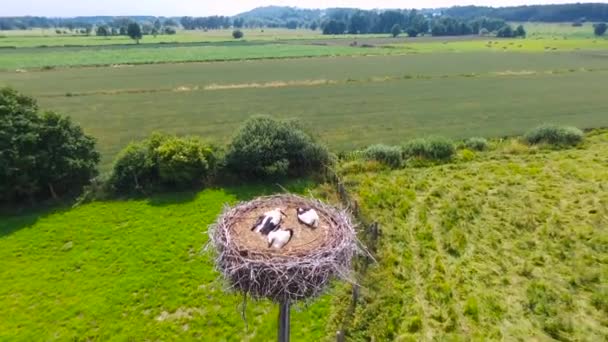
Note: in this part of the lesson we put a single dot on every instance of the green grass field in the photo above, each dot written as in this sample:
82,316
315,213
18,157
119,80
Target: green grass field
130,270
48,37
509,246
348,102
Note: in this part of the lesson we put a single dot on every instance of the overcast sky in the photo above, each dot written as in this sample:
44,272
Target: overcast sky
68,8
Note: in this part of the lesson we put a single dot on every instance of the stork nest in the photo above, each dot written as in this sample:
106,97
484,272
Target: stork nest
300,270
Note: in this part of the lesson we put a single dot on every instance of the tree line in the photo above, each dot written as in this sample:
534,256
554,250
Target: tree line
348,18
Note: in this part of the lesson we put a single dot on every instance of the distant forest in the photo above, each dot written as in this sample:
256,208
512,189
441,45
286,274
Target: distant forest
449,21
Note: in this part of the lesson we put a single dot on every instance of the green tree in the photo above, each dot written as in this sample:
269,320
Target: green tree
102,31
237,34
67,156
600,29
520,32
18,145
505,32
267,148
396,30
134,32
40,155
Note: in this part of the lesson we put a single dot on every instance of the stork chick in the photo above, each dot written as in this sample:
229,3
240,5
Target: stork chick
308,217
277,239
268,222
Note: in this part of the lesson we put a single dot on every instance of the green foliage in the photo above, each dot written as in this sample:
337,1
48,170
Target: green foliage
162,161
432,148
67,155
600,29
505,32
267,148
237,34
134,32
396,30
184,161
554,135
389,155
476,144
520,32
41,155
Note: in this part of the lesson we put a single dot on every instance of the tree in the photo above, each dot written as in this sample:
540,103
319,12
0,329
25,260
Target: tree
102,31
292,24
412,32
266,148
67,155
237,34
334,27
158,25
134,32
396,30
505,32
314,26
18,144
41,155
169,30
238,23
600,29
520,32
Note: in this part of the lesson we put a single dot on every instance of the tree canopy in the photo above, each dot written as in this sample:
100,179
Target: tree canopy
41,154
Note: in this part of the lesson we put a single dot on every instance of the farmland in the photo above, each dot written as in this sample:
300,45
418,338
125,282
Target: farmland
385,98
505,244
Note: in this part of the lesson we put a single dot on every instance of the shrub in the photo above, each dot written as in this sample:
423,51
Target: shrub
266,148
183,161
41,155
162,161
237,34
476,144
554,135
133,169
433,148
389,155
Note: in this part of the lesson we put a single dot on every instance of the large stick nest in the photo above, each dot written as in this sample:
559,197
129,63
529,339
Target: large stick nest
300,270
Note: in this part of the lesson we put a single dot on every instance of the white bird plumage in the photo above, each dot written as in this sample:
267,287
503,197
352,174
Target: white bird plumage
308,217
279,238
268,222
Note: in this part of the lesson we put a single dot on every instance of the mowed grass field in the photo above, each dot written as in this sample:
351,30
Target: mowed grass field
131,270
512,245
349,102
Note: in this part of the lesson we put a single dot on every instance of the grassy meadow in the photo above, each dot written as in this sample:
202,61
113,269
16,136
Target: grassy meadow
509,245
131,270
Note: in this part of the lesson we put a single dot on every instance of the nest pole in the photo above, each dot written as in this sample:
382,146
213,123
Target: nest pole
284,322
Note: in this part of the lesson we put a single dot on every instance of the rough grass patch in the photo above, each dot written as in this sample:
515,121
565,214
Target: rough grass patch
389,155
432,148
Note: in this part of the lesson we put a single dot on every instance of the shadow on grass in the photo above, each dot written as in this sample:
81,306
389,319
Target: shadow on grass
172,198
14,219
248,191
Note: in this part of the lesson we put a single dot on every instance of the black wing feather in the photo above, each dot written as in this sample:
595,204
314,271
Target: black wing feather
258,222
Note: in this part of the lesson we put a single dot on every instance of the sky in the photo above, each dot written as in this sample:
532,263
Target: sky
69,8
